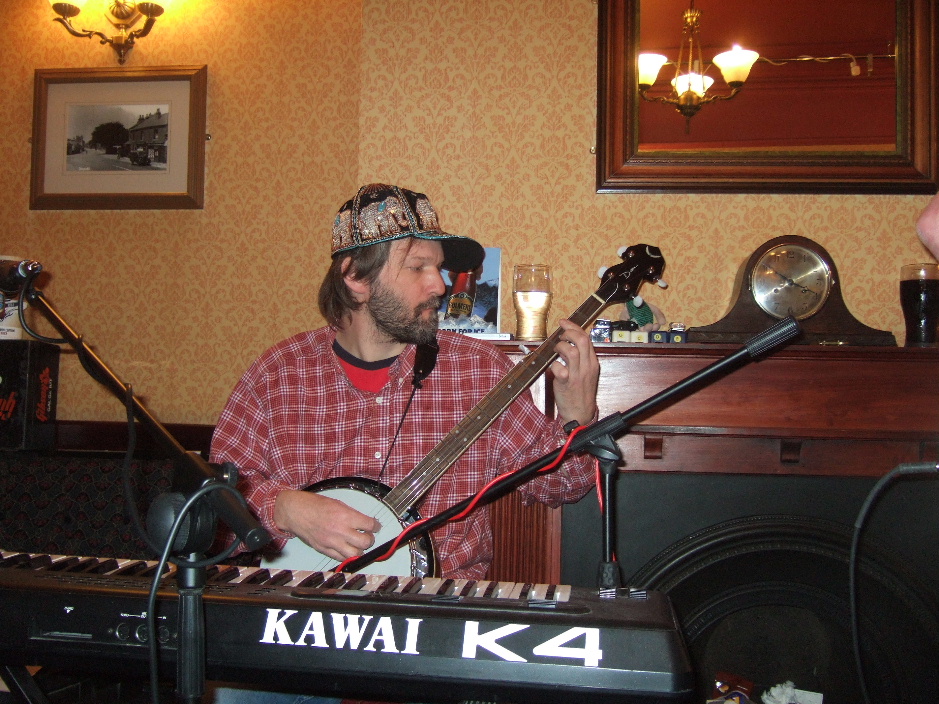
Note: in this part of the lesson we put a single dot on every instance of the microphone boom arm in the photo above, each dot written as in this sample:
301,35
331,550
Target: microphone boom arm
196,470
613,425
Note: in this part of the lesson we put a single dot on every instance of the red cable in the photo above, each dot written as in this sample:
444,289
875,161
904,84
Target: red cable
497,480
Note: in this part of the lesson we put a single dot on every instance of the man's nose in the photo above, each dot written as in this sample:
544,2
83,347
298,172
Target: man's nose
438,285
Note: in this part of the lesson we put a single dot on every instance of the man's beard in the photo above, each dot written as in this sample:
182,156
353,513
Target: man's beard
392,317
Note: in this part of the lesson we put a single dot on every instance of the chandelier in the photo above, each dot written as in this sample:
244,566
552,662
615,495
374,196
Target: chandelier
121,14
691,84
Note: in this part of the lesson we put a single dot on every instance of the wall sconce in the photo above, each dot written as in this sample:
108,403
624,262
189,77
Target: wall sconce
690,85
122,14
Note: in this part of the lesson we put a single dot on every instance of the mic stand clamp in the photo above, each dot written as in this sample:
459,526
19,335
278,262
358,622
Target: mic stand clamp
609,457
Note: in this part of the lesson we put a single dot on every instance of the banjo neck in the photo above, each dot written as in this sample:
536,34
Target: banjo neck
617,286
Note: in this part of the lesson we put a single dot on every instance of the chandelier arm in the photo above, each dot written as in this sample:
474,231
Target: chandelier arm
85,33
143,31
658,99
711,98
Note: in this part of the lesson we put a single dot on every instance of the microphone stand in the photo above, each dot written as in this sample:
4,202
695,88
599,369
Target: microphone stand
601,435
191,474
609,457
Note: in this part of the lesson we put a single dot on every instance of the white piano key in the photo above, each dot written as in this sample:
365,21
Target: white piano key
539,591
430,585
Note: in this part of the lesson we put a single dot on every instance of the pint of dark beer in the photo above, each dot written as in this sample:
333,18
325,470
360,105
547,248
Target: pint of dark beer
919,298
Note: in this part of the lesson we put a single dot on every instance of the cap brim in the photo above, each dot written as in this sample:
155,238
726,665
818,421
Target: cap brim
462,253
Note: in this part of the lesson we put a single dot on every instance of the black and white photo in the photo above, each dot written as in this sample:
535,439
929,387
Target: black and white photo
110,139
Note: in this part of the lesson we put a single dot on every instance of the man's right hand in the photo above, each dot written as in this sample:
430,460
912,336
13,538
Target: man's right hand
327,525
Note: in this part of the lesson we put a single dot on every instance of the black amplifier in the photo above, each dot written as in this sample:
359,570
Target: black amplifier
29,384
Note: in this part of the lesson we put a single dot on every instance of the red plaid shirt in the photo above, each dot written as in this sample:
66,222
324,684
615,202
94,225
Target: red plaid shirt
295,419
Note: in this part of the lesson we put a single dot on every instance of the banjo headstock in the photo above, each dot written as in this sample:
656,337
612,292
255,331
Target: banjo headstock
641,262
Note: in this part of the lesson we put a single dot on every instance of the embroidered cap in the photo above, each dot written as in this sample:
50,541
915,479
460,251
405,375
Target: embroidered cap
380,213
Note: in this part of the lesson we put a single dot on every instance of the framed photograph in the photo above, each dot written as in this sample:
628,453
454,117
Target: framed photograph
118,139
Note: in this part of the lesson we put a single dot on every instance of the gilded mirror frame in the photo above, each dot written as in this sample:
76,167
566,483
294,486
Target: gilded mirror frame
913,168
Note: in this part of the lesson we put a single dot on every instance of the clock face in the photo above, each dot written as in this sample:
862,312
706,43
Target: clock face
790,279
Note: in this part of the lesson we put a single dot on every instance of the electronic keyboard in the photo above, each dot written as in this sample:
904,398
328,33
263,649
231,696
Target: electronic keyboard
352,635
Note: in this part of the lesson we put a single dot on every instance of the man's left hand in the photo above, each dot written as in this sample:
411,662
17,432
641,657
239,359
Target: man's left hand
576,375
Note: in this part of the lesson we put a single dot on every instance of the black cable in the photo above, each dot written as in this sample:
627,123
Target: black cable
130,499
81,349
866,508
425,359
29,291
404,415
158,577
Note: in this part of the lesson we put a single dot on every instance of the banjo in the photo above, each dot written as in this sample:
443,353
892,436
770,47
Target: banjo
394,507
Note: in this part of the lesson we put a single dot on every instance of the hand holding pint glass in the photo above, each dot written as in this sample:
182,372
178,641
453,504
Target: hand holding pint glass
531,293
919,298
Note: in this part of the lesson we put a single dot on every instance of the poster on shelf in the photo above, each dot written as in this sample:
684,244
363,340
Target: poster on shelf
485,321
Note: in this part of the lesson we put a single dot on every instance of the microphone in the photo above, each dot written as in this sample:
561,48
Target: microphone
14,273
425,359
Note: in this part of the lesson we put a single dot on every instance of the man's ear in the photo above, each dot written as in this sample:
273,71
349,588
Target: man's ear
360,288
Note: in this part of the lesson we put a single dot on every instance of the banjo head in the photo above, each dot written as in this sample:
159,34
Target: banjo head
414,559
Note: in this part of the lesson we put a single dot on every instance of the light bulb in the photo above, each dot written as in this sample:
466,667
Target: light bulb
735,64
649,67
694,82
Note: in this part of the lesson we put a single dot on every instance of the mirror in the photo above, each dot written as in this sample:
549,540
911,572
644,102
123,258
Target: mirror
885,143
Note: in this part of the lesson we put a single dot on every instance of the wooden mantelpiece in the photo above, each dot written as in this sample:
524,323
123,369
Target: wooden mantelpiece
883,398
805,410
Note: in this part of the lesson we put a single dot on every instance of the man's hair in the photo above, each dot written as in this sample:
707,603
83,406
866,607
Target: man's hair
336,301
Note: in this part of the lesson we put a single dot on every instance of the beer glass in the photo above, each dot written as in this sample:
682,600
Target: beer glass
531,294
919,298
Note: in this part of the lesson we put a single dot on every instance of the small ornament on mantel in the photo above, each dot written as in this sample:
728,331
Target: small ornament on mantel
646,316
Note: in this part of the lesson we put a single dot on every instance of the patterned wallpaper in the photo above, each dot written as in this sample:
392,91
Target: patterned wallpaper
487,106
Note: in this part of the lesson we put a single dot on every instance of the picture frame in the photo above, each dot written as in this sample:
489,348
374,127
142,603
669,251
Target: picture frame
910,166
81,160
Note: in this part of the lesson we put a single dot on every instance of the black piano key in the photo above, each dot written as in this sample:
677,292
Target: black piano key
226,573
466,589
85,564
40,562
104,566
312,581
64,564
525,591
388,585
412,586
131,569
151,570
15,560
260,576
355,581
335,581
446,587
279,578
